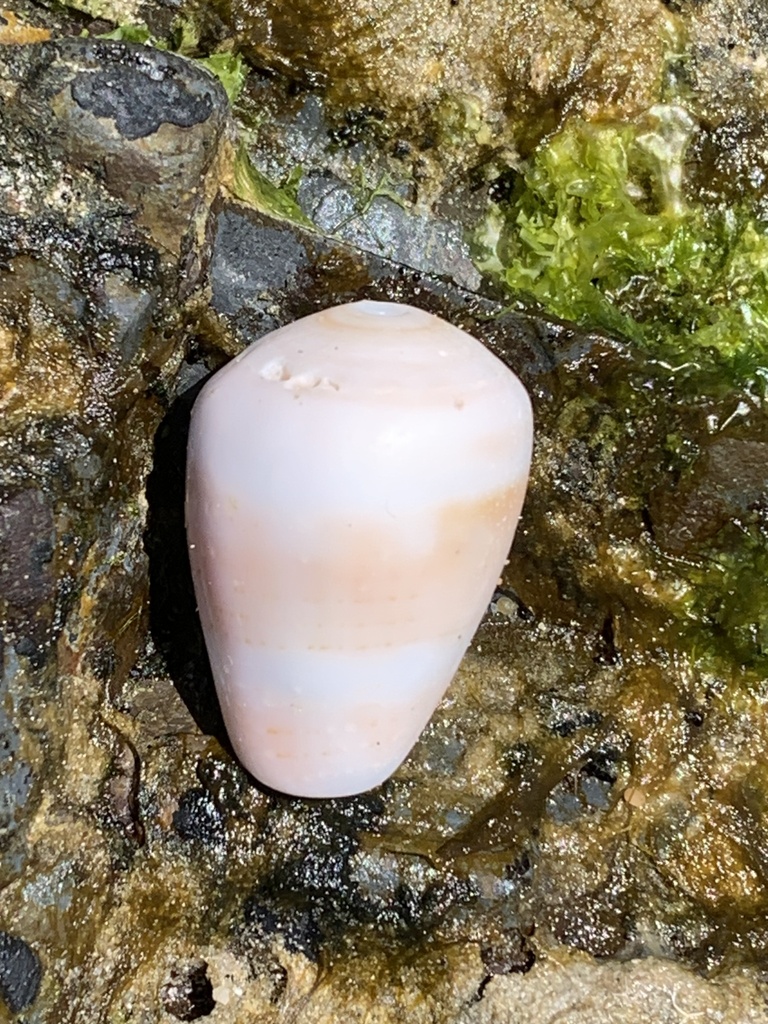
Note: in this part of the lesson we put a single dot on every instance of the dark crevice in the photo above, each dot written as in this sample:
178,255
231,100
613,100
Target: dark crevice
174,621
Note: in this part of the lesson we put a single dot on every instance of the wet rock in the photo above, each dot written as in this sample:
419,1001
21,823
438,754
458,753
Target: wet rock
27,540
20,973
580,991
591,924
586,789
22,26
428,900
252,259
345,184
511,954
15,772
725,875
139,103
297,923
123,791
308,896
199,818
728,75
147,123
450,74
374,218
188,993
84,317
725,483
264,275
102,236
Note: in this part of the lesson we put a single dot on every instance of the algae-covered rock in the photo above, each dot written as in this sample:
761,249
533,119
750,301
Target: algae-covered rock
601,993
466,74
728,76
101,231
20,973
580,833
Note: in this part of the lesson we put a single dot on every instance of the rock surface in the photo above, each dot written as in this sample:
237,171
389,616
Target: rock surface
579,835
102,234
464,71
20,973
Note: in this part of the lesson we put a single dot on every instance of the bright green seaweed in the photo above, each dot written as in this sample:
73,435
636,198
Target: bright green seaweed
599,229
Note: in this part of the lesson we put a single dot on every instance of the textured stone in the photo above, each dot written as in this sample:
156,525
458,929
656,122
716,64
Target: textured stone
101,239
585,783
27,541
20,973
15,772
584,992
458,74
138,102
727,480
148,122
188,994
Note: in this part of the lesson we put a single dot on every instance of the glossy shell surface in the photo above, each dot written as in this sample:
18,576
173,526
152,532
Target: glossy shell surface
354,482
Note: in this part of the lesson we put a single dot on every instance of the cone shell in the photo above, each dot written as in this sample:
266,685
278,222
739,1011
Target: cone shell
354,483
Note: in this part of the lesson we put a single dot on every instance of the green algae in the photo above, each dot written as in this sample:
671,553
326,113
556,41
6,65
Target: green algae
230,70
598,229
131,32
601,228
251,186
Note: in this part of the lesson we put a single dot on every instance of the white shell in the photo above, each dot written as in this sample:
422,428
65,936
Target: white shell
354,483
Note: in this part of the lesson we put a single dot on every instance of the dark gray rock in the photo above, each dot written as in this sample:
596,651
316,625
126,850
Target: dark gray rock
377,221
188,993
199,818
265,274
726,73
94,243
15,773
727,480
250,261
20,973
145,122
141,98
105,195
27,542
